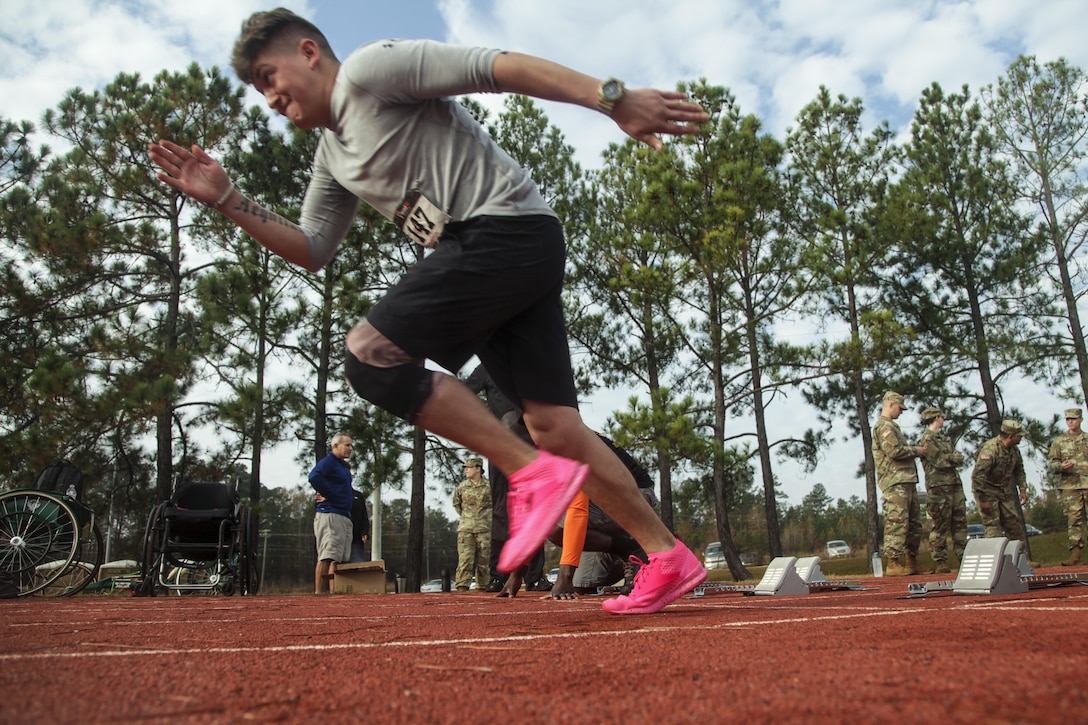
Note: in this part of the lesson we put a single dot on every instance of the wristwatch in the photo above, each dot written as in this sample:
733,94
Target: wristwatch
609,94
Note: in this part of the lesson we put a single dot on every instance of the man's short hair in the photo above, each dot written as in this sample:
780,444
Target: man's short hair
262,29
337,437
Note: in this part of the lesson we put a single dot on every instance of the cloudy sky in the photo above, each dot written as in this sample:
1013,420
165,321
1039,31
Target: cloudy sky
772,55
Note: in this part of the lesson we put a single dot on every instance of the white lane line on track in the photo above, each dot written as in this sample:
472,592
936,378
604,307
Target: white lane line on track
453,642
220,620
249,618
783,604
247,615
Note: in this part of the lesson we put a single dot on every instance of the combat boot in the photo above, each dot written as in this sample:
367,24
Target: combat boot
1074,557
912,563
942,568
896,569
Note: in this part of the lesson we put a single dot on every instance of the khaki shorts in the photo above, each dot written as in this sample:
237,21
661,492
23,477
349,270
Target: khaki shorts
333,533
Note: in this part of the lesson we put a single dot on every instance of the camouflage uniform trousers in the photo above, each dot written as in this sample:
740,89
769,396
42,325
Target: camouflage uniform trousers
1003,519
947,509
473,553
1075,504
902,521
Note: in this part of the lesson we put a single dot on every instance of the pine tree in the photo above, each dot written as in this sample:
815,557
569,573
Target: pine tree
838,176
964,260
1039,117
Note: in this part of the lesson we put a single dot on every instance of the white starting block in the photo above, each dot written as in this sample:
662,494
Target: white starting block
996,566
992,566
785,575
783,578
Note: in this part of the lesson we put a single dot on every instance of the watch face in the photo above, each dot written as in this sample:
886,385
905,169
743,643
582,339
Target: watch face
612,90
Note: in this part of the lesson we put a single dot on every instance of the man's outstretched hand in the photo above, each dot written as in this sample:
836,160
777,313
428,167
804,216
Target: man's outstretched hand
645,113
190,171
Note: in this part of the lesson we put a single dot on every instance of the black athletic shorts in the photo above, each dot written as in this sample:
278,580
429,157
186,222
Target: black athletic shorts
492,287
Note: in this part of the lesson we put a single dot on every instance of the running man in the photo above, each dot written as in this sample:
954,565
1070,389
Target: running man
394,137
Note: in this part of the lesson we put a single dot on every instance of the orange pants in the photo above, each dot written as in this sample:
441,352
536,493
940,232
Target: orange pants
574,530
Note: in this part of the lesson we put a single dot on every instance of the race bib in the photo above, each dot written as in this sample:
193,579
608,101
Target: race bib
420,220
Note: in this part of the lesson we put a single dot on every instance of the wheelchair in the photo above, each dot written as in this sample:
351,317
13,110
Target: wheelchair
50,543
202,540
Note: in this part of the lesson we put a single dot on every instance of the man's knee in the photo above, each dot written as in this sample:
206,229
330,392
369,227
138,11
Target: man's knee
402,389
551,426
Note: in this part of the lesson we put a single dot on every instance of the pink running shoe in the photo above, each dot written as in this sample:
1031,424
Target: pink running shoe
669,576
538,496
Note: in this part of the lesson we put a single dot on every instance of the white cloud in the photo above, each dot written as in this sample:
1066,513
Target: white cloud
772,55
775,55
51,46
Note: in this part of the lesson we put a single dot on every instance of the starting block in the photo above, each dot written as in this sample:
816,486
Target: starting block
785,575
992,566
783,578
995,566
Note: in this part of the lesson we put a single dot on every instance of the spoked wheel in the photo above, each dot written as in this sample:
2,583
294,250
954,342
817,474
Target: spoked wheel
224,575
82,570
152,557
248,572
92,548
38,538
192,574
71,581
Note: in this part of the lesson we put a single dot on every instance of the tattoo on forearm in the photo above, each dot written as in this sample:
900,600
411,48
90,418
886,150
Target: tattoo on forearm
253,209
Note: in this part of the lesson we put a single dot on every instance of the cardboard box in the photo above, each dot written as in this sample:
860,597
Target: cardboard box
365,577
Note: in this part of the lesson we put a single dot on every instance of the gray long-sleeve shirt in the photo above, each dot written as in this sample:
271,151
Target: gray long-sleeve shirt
395,128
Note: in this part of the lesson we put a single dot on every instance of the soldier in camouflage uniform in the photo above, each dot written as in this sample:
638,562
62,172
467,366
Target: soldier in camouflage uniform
998,474
472,502
1068,463
945,501
898,479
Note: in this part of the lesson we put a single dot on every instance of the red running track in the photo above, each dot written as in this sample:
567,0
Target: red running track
841,656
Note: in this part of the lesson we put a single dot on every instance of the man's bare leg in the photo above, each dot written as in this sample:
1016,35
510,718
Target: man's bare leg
544,483
321,584
454,412
560,430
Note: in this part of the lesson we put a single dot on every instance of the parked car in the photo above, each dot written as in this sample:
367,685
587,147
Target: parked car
435,585
976,531
837,548
713,558
553,574
1031,530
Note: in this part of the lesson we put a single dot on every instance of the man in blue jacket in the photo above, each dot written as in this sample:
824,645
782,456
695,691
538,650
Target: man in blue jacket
331,478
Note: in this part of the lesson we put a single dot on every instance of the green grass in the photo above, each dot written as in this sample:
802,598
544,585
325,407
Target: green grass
1046,550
